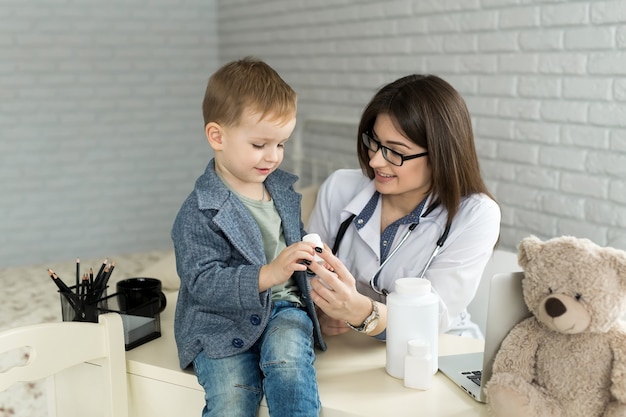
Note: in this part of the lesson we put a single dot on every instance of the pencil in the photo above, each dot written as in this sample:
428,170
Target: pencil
58,281
100,282
108,275
84,287
77,274
101,270
64,289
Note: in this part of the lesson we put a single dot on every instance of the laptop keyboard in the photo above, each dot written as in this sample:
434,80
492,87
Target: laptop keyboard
473,376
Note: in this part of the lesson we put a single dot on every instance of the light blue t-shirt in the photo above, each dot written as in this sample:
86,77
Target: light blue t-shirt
268,220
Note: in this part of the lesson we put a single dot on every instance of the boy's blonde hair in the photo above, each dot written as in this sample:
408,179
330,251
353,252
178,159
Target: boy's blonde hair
247,84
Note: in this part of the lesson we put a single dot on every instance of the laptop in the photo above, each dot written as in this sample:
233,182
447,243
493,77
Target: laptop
506,308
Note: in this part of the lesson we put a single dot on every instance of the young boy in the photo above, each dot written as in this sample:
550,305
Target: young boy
244,316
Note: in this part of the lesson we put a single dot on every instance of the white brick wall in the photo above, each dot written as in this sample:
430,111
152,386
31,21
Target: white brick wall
545,81
100,122
101,134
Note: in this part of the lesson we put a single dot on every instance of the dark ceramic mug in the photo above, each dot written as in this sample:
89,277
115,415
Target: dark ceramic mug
140,296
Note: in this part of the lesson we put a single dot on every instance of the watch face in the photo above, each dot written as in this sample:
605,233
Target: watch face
371,325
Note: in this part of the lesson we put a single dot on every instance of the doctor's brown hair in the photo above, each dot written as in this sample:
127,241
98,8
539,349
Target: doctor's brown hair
433,115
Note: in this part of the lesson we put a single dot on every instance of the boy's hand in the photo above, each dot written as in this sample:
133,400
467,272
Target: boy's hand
292,258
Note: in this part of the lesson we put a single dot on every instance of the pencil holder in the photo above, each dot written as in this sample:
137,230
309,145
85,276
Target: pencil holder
81,307
142,323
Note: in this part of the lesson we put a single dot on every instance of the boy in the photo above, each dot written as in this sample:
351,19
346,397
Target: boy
244,316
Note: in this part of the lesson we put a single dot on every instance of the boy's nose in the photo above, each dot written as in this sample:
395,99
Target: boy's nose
271,155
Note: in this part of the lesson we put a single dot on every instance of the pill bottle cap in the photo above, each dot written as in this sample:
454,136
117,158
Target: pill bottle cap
416,347
415,286
313,238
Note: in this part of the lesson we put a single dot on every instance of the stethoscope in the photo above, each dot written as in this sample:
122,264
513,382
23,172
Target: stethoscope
412,226
374,280
440,242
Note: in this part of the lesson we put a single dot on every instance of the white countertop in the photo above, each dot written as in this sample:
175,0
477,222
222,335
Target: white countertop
351,375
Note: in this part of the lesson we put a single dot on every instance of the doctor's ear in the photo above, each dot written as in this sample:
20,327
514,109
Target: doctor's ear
214,133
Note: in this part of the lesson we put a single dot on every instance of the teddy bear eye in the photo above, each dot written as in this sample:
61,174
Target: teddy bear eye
550,290
578,296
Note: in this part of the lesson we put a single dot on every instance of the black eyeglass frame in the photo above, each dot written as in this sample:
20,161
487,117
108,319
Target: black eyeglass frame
367,139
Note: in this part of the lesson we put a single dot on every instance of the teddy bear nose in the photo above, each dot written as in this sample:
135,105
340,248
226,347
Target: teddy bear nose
554,307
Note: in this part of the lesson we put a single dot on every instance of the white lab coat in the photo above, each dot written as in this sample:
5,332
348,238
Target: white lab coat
454,273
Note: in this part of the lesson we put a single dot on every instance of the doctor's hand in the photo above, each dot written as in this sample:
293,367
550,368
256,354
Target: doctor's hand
337,296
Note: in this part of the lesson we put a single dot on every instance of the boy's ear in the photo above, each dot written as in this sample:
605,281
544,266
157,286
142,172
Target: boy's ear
213,132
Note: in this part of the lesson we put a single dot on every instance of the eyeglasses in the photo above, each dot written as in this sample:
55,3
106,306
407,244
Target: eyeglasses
390,155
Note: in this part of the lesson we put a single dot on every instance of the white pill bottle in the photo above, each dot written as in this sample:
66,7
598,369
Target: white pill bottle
412,314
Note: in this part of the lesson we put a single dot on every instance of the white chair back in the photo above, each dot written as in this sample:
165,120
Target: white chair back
54,347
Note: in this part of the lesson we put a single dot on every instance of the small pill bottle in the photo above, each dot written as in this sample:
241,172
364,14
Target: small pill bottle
418,365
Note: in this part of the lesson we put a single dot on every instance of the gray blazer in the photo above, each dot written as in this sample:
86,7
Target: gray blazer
218,257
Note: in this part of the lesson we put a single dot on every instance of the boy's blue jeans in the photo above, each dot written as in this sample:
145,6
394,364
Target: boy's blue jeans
279,366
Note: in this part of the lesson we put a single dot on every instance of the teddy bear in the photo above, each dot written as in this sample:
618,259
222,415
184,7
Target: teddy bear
568,359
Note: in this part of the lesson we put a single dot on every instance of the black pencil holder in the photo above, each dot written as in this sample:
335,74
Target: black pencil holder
85,307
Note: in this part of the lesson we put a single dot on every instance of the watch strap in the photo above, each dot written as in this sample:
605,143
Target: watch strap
371,319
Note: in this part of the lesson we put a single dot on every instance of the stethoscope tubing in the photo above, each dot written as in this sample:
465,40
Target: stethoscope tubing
440,242
374,280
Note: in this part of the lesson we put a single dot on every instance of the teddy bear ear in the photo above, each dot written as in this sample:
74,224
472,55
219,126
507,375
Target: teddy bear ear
527,249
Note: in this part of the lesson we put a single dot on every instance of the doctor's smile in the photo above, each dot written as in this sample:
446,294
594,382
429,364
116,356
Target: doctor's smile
384,177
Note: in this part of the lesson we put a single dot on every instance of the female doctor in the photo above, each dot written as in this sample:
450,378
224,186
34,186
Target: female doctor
417,208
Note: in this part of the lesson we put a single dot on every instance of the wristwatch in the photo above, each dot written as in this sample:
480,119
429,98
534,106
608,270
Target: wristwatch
370,322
